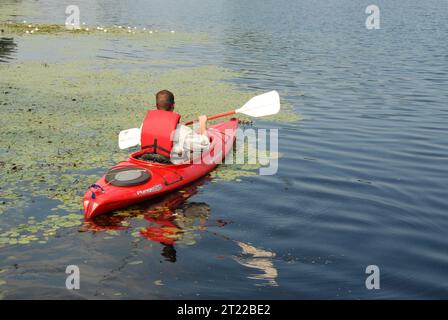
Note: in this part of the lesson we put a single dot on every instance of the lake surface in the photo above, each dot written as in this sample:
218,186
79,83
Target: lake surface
362,176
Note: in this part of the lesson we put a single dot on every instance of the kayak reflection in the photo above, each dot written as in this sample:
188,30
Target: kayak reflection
176,226
171,219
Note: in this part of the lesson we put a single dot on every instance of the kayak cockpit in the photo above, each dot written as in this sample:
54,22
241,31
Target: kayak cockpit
153,157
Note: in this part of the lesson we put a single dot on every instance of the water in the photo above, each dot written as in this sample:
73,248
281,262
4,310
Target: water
362,177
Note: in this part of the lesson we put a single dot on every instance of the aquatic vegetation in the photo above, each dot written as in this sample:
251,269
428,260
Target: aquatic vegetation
13,28
11,197
40,231
233,170
226,173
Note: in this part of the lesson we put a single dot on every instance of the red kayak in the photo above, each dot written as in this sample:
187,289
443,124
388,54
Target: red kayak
136,180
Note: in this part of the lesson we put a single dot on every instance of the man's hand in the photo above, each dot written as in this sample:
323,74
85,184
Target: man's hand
202,119
202,124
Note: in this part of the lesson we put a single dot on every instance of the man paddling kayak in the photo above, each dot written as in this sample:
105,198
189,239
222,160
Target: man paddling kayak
169,139
135,180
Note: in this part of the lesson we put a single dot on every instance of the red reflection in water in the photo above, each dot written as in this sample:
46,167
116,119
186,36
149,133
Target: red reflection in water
169,218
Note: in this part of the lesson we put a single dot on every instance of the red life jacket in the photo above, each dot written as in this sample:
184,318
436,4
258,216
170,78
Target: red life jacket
158,131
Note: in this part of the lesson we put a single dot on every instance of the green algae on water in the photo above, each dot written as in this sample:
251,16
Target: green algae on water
232,170
33,230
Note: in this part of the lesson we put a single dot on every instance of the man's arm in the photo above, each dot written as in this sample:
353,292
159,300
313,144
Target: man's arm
203,125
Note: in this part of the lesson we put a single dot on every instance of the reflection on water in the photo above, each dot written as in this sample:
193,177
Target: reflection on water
170,220
173,221
7,48
259,259
176,225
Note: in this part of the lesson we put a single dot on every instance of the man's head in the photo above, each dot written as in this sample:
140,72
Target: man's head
165,100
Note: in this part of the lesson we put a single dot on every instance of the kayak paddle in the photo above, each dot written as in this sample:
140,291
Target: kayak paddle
129,138
265,104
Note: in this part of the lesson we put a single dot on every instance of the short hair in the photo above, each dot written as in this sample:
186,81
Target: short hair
165,100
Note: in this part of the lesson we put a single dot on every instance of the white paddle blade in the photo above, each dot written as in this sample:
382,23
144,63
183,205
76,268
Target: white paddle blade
129,138
262,105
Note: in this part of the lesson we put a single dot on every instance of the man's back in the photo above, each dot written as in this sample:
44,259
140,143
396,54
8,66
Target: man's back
159,125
